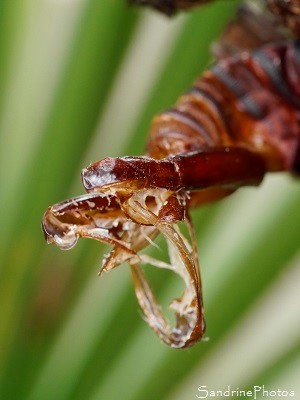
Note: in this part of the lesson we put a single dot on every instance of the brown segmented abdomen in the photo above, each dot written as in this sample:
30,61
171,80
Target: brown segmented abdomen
249,101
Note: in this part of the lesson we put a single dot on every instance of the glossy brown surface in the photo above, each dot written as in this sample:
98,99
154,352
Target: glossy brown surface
136,172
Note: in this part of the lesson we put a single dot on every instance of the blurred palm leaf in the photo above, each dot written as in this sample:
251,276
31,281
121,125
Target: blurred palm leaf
81,79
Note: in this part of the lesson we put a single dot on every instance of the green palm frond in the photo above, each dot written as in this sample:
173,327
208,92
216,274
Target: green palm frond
81,80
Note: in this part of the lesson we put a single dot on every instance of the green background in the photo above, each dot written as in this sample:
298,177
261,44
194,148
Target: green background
81,80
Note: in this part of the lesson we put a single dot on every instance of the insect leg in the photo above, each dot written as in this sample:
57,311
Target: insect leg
184,262
215,167
229,167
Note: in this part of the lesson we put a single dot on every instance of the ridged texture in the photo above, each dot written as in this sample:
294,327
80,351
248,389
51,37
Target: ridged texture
250,101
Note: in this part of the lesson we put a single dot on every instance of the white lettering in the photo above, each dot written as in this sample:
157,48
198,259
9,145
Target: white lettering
203,391
257,389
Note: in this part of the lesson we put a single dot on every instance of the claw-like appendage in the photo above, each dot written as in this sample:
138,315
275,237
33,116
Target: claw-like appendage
117,213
